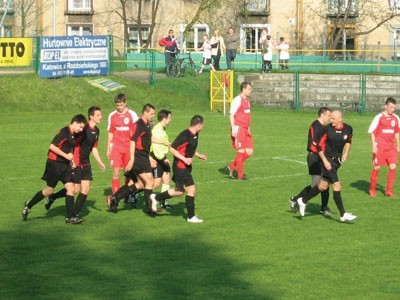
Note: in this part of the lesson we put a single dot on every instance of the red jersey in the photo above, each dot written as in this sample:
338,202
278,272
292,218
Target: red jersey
384,128
240,108
121,125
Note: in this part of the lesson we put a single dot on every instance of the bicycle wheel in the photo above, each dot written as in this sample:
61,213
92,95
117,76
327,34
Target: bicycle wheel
174,69
194,70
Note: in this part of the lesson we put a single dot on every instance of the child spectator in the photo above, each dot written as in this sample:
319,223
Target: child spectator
206,47
283,48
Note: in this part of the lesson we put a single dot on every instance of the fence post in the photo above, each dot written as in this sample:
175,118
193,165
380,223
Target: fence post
152,68
110,54
363,86
296,104
379,57
37,56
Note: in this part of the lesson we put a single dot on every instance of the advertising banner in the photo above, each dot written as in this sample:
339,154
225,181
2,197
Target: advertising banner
15,52
73,56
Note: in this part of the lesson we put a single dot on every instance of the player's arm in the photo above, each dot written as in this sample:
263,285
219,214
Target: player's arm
109,141
178,155
160,141
58,151
234,107
201,156
97,157
131,156
346,151
397,138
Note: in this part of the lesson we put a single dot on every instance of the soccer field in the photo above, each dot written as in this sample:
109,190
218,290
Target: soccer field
250,245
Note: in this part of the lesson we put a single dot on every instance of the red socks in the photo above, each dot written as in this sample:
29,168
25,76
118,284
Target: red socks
115,185
373,179
391,180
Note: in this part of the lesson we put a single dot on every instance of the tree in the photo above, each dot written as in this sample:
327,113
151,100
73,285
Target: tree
363,16
27,14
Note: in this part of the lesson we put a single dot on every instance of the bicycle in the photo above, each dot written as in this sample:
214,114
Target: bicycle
178,66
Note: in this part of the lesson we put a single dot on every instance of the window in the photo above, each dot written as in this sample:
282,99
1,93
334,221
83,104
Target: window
6,31
3,6
79,5
338,8
256,5
249,36
134,42
394,4
79,30
396,42
194,36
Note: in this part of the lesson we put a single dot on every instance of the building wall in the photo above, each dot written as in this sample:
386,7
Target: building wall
301,28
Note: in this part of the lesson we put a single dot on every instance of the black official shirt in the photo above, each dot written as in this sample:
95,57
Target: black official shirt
186,144
64,140
334,139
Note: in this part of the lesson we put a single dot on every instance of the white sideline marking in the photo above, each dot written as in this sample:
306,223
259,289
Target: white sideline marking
252,178
286,158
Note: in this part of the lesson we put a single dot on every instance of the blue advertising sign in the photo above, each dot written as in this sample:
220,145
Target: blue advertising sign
73,56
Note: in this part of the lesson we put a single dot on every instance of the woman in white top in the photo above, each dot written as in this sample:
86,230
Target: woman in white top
267,46
283,48
217,48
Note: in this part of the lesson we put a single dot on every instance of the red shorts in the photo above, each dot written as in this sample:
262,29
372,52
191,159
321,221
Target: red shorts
243,140
119,156
385,156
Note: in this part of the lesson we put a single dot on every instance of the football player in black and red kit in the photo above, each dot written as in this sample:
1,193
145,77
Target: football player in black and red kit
333,148
314,161
183,149
85,144
139,168
58,168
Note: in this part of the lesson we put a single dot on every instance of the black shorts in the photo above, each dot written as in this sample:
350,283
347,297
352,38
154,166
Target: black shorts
182,178
56,171
314,163
132,175
331,176
142,165
82,173
163,166
206,61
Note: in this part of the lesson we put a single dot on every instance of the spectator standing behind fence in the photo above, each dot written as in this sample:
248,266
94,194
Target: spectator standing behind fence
217,48
171,47
267,46
206,47
283,48
232,43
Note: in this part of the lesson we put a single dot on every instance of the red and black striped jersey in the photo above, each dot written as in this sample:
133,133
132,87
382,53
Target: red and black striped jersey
315,132
64,140
186,144
84,144
142,135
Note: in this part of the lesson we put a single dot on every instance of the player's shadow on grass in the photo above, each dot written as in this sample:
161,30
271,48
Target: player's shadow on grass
107,191
363,185
225,172
58,208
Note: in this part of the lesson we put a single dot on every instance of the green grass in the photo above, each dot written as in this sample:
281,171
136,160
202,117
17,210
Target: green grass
249,247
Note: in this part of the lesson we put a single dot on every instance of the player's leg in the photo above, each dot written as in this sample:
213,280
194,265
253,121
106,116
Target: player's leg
148,183
377,160
190,204
392,157
82,196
